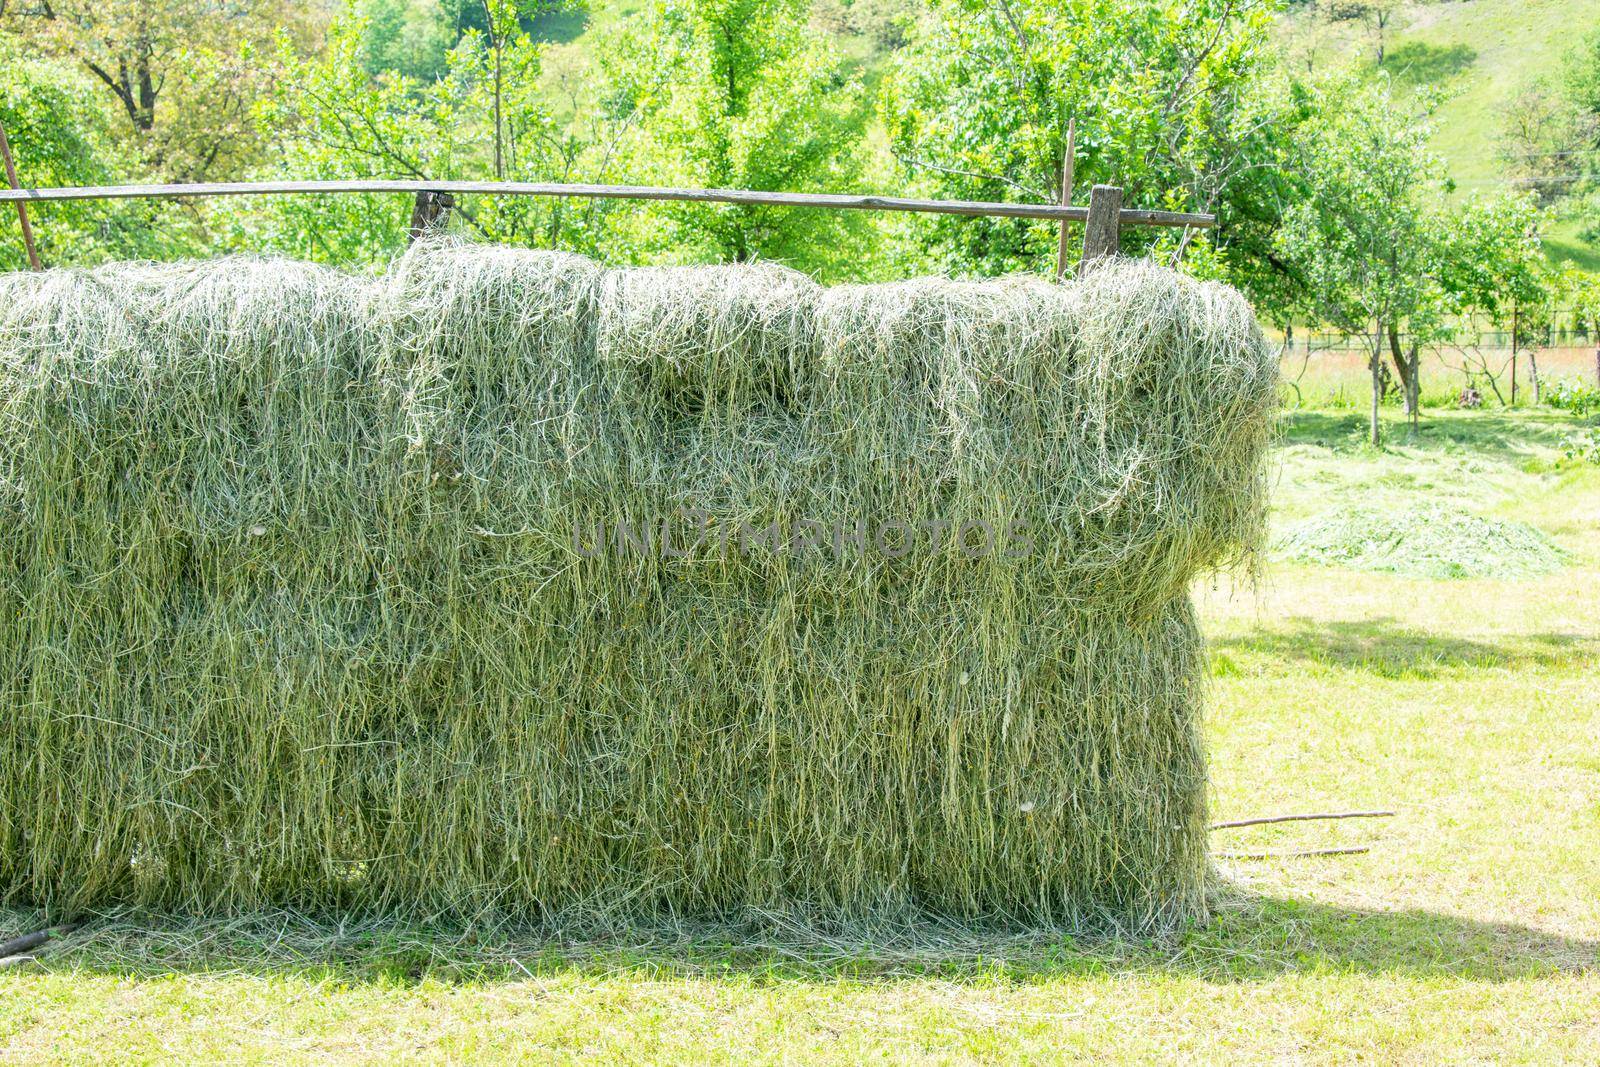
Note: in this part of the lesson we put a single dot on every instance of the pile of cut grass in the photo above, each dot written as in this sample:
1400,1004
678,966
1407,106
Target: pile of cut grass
349,595
1422,539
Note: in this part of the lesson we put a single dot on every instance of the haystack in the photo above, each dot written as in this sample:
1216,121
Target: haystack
508,586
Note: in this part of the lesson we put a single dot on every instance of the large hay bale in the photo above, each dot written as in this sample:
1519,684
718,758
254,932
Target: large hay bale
335,593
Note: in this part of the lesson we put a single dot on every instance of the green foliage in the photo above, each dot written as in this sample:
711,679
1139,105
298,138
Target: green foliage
1581,449
1363,233
1164,97
410,37
330,119
179,78
1574,396
413,38
58,136
1582,289
733,94
1492,264
1581,72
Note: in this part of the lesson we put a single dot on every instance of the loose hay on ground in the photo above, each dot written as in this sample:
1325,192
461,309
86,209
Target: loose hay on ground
313,592
1423,539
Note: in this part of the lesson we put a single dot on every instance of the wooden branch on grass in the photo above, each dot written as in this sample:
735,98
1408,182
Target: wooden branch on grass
27,942
18,945
1266,819
1292,854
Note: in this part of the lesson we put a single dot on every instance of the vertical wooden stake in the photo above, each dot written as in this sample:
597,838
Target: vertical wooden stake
1103,232
1068,163
22,209
430,210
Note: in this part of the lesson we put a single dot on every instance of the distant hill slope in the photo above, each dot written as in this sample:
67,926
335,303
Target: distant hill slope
1483,52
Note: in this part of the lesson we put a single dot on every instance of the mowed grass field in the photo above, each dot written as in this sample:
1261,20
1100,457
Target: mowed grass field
1469,931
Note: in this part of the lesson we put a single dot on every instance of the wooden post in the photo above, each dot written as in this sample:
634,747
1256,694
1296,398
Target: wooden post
1102,232
1068,164
22,209
430,210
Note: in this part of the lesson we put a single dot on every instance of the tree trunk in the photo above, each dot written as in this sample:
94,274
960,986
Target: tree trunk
1533,373
1402,369
499,156
1515,323
146,118
1376,362
1414,384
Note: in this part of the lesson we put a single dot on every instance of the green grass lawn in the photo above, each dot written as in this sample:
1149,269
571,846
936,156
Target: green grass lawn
1469,931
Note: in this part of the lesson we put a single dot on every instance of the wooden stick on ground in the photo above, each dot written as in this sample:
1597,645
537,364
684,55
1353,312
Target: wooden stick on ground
18,945
1266,819
27,942
1292,854
22,209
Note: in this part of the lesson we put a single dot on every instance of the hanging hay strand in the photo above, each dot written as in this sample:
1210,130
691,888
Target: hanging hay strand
505,586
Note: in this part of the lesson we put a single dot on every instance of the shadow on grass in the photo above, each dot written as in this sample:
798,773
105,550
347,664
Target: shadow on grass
1498,434
1420,63
1250,938
1390,649
558,25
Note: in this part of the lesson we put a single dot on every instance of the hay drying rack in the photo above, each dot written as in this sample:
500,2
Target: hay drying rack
1103,219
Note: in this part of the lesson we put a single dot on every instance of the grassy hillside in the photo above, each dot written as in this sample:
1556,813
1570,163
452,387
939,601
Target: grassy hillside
1481,52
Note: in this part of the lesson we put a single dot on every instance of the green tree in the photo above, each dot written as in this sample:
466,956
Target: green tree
1546,140
1165,97
1366,234
1580,91
1493,267
411,37
58,136
329,118
1583,291
1378,17
732,93
183,74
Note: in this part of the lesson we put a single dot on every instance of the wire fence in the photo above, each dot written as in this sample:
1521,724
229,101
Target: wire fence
1336,369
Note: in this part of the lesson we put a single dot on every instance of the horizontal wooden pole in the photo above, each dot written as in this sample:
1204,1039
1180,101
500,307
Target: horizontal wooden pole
754,198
